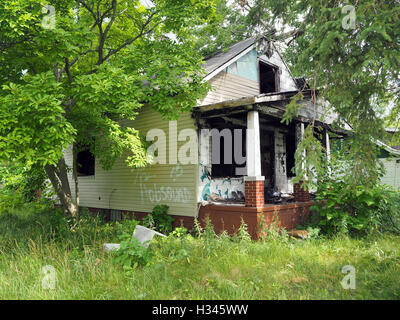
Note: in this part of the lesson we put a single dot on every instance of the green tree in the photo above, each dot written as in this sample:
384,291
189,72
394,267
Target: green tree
69,78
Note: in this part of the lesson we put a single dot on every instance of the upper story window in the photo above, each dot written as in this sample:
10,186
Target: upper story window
269,78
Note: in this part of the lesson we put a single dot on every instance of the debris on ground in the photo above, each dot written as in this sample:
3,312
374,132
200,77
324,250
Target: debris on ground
142,234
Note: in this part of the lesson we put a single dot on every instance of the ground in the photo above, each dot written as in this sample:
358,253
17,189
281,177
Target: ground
205,268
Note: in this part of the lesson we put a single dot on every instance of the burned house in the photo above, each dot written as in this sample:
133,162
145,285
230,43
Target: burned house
241,165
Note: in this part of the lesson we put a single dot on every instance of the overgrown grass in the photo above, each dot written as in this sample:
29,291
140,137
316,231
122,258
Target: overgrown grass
187,267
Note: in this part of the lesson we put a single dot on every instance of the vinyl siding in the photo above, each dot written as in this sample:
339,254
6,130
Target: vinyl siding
123,188
227,86
392,175
286,81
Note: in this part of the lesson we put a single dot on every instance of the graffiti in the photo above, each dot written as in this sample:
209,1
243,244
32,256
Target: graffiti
162,194
158,193
223,188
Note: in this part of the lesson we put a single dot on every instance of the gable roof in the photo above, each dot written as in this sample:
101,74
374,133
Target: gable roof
221,60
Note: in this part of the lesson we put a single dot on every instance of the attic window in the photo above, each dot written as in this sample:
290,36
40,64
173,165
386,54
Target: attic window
269,78
85,163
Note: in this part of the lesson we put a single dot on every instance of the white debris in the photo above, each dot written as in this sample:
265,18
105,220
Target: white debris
143,234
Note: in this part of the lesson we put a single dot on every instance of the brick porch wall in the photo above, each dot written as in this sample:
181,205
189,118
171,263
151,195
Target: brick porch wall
229,217
254,193
300,195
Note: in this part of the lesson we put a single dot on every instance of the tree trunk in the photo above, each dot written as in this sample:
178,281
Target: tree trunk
75,177
59,179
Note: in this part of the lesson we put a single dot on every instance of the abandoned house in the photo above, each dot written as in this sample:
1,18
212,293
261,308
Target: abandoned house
251,86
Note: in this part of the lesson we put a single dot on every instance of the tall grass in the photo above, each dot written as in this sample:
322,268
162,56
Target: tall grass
206,267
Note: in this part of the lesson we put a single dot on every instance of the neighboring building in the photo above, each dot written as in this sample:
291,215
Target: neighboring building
390,157
251,87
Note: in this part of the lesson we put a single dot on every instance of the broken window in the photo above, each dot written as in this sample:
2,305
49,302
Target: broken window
269,78
85,163
227,152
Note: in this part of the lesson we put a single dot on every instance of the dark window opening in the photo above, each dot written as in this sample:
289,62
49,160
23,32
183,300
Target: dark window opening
267,157
290,151
85,163
227,166
269,78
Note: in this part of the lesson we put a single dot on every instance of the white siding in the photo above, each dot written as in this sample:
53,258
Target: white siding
286,81
392,175
229,86
122,188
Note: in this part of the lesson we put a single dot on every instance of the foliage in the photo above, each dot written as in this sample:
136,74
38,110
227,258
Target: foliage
225,29
23,180
126,226
353,65
239,270
363,208
360,209
132,253
271,231
20,185
242,234
159,219
102,61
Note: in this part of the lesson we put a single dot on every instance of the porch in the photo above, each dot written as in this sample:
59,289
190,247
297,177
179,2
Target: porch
233,186
229,217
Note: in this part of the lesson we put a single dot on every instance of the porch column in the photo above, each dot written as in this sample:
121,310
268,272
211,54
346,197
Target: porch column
328,150
300,195
328,145
254,182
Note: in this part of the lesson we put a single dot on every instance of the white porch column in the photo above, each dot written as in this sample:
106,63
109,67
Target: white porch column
254,182
253,150
299,136
328,145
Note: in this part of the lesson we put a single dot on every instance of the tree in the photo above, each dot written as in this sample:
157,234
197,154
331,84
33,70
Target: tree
71,70
349,53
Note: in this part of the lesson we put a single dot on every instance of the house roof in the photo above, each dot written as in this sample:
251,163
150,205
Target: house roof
391,150
220,59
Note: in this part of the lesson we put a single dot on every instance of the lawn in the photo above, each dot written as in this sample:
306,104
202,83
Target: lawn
188,268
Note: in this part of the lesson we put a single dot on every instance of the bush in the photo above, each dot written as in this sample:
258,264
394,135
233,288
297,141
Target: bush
132,253
159,219
357,209
19,185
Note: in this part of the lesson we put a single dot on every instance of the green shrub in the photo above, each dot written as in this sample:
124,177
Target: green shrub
22,182
271,231
357,209
132,253
159,219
